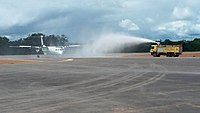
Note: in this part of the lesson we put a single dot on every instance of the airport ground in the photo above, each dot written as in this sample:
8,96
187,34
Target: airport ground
120,83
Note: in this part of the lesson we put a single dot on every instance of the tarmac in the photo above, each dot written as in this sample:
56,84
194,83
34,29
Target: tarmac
99,85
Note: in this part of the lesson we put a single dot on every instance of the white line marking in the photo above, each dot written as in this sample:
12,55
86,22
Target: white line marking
68,60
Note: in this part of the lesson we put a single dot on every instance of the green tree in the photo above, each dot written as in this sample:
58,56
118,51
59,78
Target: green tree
4,40
4,43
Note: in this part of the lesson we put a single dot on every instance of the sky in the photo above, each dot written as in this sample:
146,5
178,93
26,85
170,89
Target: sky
82,20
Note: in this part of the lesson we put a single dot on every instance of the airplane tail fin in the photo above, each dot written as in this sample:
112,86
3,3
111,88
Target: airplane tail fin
42,42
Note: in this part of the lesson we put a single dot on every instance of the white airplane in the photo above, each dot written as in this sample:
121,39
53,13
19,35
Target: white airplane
49,50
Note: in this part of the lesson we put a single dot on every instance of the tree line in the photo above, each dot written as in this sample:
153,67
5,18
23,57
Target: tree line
188,45
31,40
193,45
62,40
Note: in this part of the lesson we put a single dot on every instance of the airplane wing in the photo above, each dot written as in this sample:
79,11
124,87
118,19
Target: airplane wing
71,46
21,46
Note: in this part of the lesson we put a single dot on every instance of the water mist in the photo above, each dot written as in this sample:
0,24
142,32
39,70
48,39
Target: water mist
107,43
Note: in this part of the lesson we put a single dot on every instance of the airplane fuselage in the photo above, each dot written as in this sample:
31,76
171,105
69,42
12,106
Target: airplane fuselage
53,50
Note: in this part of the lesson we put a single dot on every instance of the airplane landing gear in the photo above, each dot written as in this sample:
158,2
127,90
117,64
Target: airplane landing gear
37,50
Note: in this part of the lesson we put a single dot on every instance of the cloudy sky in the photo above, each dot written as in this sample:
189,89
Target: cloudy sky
82,19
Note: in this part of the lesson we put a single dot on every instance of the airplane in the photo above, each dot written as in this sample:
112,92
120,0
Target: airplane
48,50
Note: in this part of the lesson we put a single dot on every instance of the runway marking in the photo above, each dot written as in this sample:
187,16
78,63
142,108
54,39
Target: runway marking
77,99
193,105
181,91
77,96
22,103
91,80
123,89
62,86
113,82
141,84
68,60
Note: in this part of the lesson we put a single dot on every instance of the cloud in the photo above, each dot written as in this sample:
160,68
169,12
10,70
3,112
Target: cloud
23,12
150,20
192,3
130,3
180,28
182,13
73,17
10,18
129,25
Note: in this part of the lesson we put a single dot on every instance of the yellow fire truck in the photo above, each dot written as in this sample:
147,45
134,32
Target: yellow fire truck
167,50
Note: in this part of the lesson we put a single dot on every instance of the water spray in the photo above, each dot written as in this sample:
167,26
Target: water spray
107,43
